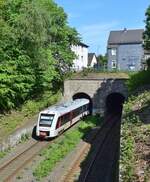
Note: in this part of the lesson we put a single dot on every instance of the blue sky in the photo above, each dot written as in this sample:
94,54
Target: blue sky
94,19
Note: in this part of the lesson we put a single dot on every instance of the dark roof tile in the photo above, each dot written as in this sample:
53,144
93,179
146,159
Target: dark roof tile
125,36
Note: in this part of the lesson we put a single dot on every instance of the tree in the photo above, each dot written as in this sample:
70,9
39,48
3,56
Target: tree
102,61
146,35
35,41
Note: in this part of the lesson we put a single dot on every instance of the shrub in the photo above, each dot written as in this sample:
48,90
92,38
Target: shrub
139,79
148,63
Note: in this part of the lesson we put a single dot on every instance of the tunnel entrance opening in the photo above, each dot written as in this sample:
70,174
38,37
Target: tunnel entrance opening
84,95
114,103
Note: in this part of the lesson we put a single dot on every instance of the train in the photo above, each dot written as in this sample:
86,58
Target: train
56,119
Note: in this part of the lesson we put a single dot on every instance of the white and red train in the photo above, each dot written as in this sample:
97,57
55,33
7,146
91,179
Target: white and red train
54,120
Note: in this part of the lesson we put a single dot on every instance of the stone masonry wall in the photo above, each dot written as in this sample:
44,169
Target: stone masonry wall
97,89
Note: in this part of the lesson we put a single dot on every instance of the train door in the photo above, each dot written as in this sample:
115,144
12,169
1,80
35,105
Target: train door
58,125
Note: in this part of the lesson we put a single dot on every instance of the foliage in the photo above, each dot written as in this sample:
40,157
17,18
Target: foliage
102,61
2,154
127,158
59,149
148,63
146,34
35,49
133,132
24,137
139,79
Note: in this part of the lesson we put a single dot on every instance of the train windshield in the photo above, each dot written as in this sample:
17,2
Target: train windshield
46,119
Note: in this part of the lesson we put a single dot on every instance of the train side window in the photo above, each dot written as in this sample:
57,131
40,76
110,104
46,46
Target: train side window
77,111
65,118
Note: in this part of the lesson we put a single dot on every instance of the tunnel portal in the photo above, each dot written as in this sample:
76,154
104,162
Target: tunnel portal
114,103
86,96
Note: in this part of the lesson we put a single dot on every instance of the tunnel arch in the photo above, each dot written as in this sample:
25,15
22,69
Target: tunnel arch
86,96
114,103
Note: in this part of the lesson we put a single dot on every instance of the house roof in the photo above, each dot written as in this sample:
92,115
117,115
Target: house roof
125,37
90,57
83,45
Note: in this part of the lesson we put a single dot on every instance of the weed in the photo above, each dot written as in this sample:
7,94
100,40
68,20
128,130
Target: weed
133,132
24,137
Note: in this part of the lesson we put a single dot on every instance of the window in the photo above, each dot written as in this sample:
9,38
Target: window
46,119
65,118
77,112
113,52
114,64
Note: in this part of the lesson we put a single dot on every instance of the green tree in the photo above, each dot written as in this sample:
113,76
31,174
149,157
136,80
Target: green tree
146,34
35,41
102,61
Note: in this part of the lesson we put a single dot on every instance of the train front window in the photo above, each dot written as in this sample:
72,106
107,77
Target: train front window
46,119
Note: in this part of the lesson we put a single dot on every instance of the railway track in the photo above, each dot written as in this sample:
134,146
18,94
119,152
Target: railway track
10,168
107,128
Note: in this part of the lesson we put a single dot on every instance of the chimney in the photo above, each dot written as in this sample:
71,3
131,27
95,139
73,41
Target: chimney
125,30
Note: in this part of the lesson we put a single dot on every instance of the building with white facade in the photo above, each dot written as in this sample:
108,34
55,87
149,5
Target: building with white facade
81,52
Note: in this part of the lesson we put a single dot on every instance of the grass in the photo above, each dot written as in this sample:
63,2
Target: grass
58,150
96,74
9,122
138,79
134,135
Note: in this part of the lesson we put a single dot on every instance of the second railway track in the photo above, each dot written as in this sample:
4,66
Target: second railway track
107,130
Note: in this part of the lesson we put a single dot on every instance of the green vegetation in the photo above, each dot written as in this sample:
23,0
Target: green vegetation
24,138
59,149
146,35
90,73
135,138
10,122
102,62
139,79
35,50
2,154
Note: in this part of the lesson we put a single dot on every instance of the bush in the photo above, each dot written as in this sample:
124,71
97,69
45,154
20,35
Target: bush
148,63
139,79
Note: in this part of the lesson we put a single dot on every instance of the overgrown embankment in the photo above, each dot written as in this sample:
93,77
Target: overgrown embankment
135,140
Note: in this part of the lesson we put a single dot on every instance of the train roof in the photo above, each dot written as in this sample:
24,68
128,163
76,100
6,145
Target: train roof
65,107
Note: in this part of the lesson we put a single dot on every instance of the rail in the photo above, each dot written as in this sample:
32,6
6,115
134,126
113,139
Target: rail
14,165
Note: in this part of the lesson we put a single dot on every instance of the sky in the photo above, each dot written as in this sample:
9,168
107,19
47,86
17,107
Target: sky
94,19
